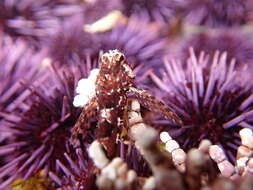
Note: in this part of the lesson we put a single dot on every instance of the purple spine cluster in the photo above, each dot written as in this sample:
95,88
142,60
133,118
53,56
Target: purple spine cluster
87,86
213,99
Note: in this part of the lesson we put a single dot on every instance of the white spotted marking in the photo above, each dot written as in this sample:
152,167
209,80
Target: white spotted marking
105,114
86,89
129,71
119,121
120,99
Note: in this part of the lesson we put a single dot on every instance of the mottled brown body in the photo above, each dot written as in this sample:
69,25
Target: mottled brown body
114,85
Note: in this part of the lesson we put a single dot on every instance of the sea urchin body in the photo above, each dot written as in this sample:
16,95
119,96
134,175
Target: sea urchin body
213,102
40,133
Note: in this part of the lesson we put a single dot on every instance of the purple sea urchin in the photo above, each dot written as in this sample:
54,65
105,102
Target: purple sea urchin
151,10
141,43
214,103
40,133
70,42
78,173
96,9
237,44
17,62
34,19
217,13
38,113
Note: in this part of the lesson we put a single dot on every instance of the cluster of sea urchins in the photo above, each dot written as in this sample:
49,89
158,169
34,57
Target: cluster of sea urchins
195,56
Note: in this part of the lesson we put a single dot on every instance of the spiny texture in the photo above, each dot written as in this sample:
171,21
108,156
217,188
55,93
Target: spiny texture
199,172
134,159
213,99
138,40
225,13
113,89
40,132
151,10
96,9
78,171
237,44
17,62
34,19
70,43
141,44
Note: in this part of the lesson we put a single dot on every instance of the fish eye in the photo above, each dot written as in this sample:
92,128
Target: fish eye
104,59
120,58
